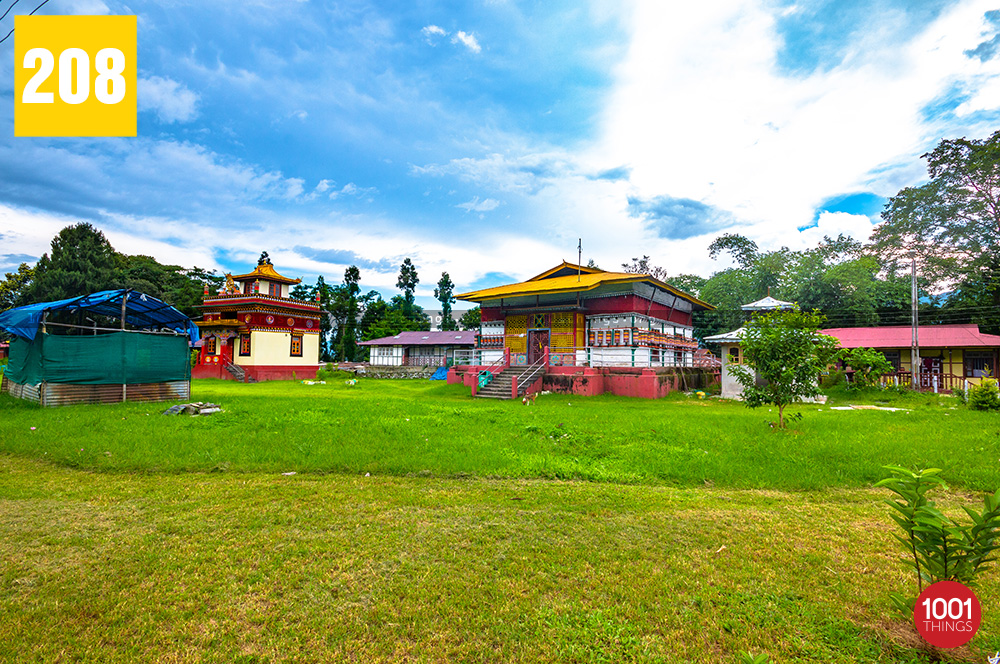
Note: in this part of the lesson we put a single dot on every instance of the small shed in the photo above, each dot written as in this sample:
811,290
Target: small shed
416,348
57,359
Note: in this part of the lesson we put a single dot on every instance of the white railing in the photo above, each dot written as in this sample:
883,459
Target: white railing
592,356
474,356
620,356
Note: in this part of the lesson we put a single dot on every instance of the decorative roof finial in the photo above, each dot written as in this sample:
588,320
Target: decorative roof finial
263,260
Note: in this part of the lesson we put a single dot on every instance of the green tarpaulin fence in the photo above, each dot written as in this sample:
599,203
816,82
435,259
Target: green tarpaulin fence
104,359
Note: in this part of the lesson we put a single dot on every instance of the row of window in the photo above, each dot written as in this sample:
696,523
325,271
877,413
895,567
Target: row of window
211,347
273,289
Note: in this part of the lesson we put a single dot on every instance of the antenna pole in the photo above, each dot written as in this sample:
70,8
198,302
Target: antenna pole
579,257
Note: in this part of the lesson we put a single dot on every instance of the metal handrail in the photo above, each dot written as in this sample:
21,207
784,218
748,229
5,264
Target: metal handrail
531,372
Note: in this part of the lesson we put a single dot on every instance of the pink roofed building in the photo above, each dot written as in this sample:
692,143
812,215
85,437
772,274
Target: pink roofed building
418,348
949,354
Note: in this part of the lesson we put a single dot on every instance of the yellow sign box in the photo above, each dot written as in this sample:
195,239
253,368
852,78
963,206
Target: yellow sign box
74,76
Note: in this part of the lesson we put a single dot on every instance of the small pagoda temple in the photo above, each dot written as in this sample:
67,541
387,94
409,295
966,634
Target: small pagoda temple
252,330
588,330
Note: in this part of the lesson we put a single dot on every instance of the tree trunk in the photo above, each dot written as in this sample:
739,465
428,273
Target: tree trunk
781,416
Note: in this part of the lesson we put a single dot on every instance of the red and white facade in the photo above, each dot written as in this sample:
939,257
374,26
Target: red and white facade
254,330
593,331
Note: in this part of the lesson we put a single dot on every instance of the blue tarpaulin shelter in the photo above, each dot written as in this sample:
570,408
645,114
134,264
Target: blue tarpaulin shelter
141,311
54,363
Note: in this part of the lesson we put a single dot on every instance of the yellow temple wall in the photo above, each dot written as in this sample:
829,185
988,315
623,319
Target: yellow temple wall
274,349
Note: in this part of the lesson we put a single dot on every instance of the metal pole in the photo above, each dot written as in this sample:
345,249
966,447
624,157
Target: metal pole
124,385
579,257
915,331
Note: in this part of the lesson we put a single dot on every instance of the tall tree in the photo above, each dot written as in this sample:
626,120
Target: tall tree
346,305
14,284
952,223
642,266
81,261
407,282
445,293
325,301
471,319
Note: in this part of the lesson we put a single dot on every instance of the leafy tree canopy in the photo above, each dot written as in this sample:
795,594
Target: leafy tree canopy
952,223
445,294
471,319
784,349
407,282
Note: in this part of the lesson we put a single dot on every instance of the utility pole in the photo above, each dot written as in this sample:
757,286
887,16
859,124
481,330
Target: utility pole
915,332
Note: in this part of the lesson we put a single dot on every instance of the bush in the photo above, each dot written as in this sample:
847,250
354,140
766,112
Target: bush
330,373
985,396
869,365
832,379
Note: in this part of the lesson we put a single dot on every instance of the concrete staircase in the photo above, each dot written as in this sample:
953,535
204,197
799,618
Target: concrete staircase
238,373
499,387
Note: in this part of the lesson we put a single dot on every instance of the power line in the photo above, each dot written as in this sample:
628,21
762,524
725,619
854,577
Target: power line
44,2
8,9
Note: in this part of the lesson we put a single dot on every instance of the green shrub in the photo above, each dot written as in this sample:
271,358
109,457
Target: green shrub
331,373
937,547
832,379
868,364
985,396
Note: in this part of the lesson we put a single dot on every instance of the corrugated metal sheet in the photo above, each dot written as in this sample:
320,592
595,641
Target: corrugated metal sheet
27,392
62,394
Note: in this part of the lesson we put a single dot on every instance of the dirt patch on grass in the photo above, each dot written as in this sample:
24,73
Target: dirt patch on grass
904,635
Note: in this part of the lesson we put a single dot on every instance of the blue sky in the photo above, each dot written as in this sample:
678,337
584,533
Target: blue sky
485,137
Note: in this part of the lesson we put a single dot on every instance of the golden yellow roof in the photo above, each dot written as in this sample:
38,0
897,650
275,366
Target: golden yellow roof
266,271
588,279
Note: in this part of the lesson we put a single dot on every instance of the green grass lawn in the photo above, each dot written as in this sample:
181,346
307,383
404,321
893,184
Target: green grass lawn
699,532
418,427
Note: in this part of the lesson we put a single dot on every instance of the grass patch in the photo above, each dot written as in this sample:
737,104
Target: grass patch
259,567
425,428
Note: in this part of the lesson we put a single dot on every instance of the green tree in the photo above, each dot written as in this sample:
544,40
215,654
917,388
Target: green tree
445,294
689,283
14,284
952,223
471,319
642,266
784,349
345,312
868,364
81,261
407,282
325,301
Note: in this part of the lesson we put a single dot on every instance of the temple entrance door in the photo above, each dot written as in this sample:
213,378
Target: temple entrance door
226,351
537,341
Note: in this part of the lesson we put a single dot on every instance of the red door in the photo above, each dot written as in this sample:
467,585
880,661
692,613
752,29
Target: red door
227,351
537,341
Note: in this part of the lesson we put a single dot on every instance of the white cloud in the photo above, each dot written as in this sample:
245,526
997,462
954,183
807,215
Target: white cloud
475,205
433,31
468,39
351,189
702,110
171,101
